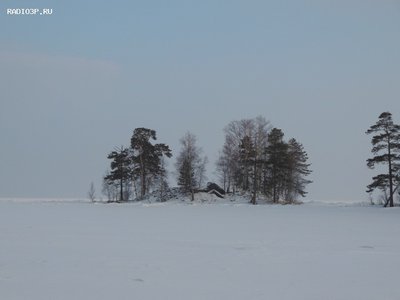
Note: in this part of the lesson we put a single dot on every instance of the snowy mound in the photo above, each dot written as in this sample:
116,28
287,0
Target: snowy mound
206,197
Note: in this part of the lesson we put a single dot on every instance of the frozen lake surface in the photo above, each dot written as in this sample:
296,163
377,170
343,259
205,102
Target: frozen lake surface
51,250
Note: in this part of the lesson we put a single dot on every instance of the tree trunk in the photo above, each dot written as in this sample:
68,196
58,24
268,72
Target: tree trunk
390,176
253,200
142,176
191,192
224,182
143,183
121,195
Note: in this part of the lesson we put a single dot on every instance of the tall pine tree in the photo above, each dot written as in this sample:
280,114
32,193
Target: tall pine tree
186,179
146,157
386,151
298,169
277,164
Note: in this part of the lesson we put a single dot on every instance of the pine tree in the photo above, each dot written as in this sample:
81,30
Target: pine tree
186,179
120,169
146,157
298,169
276,164
162,181
110,188
386,150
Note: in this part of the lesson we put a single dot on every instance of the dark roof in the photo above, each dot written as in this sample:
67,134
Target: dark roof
213,186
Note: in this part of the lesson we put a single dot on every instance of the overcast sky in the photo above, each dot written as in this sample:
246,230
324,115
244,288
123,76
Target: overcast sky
75,84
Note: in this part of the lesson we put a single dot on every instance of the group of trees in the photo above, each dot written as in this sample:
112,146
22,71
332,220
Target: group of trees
141,168
386,151
255,158
138,167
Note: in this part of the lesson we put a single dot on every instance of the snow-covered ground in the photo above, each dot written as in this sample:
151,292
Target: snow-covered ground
78,250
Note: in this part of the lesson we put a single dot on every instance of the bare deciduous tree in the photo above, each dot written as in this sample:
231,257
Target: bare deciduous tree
240,165
92,192
190,165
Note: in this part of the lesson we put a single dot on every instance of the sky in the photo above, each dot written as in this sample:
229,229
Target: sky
75,84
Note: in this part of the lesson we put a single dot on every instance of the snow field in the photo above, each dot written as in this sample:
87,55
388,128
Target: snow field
202,251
